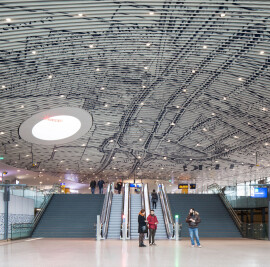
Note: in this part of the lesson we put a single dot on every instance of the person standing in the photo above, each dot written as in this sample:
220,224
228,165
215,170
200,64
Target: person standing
154,197
152,222
100,186
93,185
193,219
142,227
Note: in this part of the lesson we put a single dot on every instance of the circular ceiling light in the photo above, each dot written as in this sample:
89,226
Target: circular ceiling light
56,126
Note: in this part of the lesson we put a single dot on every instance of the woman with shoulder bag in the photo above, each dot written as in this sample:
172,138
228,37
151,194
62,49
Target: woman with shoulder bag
142,227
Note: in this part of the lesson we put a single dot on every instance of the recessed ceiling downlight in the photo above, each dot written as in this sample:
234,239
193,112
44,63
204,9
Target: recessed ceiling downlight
56,126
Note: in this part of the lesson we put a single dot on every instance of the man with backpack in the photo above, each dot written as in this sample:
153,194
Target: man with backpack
154,197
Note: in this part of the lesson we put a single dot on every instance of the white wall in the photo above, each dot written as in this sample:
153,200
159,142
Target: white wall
21,210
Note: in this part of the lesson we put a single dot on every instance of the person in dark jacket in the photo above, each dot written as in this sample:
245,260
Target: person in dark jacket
193,219
154,197
100,185
142,227
119,187
93,185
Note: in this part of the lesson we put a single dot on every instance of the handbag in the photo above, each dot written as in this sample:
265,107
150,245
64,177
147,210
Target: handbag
144,229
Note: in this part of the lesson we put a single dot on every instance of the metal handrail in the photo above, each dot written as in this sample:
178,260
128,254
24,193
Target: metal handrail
105,226
169,211
129,207
165,215
228,205
103,217
122,214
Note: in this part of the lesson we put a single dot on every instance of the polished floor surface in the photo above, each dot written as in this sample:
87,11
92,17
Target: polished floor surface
110,253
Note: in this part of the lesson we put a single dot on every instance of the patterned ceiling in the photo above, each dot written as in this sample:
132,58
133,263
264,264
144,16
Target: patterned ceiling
171,85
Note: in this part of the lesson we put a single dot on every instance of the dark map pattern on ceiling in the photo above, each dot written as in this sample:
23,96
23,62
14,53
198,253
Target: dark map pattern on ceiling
171,85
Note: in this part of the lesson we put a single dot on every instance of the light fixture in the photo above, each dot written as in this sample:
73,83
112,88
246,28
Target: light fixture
224,98
50,76
169,141
177,106
172,124
184,90
213,114
87,159
106,105
102,88
165,158
240,79
97,69
83,144
91,46
80,15
204,129
56,126
148,44
261,52
193,71
34,52
108,123
142,104
62,96
264,109
22,106
266,144
2,133
205,47
236,137
140,121
8,19
111,141
140,139
3,86
222,15
146,68
151,13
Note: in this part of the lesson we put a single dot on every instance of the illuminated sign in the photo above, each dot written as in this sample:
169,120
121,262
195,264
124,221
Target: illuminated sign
258,192
192,186
183,186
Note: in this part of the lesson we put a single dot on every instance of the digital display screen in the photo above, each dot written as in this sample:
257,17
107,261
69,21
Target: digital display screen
183,186
132,185
192,186
259,192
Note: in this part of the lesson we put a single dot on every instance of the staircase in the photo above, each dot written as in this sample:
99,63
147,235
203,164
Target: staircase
215,218
73,215
115,217
135,206
161,230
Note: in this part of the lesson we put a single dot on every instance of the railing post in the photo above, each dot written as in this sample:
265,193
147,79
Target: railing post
124,232
98,228
176,228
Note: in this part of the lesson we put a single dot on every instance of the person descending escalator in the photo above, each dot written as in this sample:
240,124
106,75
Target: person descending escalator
119,187
100,186
154,197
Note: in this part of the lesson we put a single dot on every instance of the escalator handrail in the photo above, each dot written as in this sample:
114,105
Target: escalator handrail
108,213
171,220
122,213
129,207
165,215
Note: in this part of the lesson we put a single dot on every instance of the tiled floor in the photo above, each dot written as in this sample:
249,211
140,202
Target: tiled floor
110,253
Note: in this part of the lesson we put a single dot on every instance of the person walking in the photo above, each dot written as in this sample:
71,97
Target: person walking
193,219
93,185
154,197
152,222
142,227
100,186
